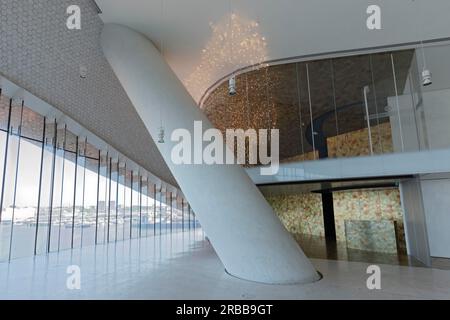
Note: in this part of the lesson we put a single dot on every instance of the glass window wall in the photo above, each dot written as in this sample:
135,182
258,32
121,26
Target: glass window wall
60,192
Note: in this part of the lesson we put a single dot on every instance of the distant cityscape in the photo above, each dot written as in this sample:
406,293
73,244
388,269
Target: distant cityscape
87,216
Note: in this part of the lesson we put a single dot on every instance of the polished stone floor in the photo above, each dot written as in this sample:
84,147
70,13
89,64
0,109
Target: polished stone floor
320,248
184,266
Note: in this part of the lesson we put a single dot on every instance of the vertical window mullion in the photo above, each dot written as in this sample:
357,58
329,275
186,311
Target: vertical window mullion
117,200
84,192
171,212
131,206
40,187
182,214
109,199
5,160
98,197
52,186
15,182
140,206
154,210
74,190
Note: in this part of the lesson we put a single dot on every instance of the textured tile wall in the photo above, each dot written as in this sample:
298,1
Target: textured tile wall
40,54
374,205
302,213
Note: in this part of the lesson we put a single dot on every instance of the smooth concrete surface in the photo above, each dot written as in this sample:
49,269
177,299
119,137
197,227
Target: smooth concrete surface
184,266
436,201
386,165
240,223
414,218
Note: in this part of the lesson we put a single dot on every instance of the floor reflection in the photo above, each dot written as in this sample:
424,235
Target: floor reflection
101,267
185,266
320,248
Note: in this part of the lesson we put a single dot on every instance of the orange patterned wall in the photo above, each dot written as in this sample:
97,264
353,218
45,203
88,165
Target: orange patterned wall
356,143
375,205
302,213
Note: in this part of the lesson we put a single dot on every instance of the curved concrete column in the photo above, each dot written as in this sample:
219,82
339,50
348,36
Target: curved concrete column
243,229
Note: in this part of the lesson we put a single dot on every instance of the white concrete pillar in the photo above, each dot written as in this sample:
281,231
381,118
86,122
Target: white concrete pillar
244,230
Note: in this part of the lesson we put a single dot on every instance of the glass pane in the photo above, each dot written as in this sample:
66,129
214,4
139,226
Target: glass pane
67,201
159,211
79,202
351,76
177,215
45,206
165,211
169,211
32,124
136,200
16,117
70,142
305,116
286,115
8,196
90,202
190,218
185,217
4,112
320,75
90,151
402,62
385,127
433,114
4,225
124,203
103,200
144,208
56,211
26,199
113,209
153,210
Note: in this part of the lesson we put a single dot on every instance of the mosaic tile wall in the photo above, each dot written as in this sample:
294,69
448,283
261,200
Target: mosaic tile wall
356,143
360,235
300,213
369,205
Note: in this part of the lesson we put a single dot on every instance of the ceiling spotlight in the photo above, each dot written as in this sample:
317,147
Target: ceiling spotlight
232,86
426,77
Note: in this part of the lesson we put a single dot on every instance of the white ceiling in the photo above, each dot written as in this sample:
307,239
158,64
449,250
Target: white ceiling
290,28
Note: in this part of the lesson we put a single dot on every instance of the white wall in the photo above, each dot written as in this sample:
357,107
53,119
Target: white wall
394,164
436,200
414,221
437,117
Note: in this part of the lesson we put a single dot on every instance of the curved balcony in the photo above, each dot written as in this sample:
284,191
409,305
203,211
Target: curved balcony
365,115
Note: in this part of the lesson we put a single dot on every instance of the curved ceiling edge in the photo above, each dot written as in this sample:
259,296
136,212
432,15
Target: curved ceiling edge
324,55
